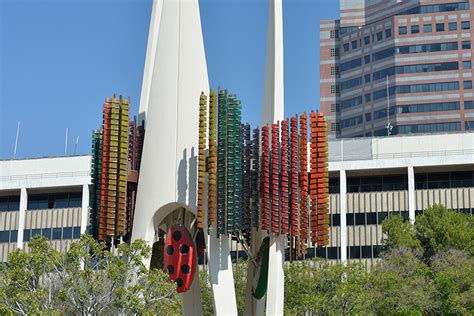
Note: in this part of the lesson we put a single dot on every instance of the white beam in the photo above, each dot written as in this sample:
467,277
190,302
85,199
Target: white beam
411,194
343,212
85,208
21,216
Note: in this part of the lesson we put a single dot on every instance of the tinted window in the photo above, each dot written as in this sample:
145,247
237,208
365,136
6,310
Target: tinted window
388,33
379,36
5,236
465,25
367,40
467,64
67,233
427,28
402,30
468,84
452,26
415,29
57,232
439,27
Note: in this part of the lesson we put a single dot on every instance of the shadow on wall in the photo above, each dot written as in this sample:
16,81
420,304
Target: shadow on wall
187,179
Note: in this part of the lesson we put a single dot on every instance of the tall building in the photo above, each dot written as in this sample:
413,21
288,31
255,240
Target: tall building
419,51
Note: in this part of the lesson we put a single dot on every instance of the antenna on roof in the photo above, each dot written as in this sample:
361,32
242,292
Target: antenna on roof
75,146
65,144
16,139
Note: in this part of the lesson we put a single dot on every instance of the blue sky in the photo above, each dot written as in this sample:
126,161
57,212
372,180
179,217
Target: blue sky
59,59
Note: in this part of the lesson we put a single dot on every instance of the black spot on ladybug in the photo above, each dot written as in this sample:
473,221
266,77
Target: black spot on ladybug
170,269
179,282
185,268
176,235
169,250
184,249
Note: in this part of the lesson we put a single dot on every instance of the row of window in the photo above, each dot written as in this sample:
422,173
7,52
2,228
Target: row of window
437,180
57,200
420,88
59,233
421,128
434,8
369,218
375,37
356,120
418,108
351,83
469,105
439,27
406,49
9,203
433,67
381,74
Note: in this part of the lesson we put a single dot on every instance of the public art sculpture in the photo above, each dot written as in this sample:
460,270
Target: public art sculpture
190,177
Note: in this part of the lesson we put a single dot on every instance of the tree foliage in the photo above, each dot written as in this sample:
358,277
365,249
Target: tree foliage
87,279
427,267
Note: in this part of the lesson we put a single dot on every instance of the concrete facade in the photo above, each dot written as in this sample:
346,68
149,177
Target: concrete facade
419,50
370,178
44,196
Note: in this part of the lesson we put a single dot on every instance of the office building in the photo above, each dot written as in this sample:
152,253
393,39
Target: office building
43,196
416,51
369,179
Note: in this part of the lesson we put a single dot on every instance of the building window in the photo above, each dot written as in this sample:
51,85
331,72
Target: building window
427,28
335,127
379,36
351,102
469,105
334,89
466,45
368,97
468,84
367,40
439,27
9,203
351,121
415,29
335,71
351,64
388,33
465,25
50,201
368,117
354,44
467,64
469,125
367,78
335,108
452,26
427,48
346,47
334,52
334,33
367,59
402,30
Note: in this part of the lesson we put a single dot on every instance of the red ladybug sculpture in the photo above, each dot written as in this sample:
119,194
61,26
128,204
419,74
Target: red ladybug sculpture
179,257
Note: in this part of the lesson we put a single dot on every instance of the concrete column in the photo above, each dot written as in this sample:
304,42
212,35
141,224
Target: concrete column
411,194
21,216
85,208
343,212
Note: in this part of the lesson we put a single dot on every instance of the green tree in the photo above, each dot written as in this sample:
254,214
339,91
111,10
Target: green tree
439,229
454,278
399,233
323,288
87,279
402,284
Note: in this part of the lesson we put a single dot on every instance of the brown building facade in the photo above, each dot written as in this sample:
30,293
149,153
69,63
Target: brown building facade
416,51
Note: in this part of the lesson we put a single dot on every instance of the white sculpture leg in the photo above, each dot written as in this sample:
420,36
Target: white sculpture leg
221,275
254,307
276,277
